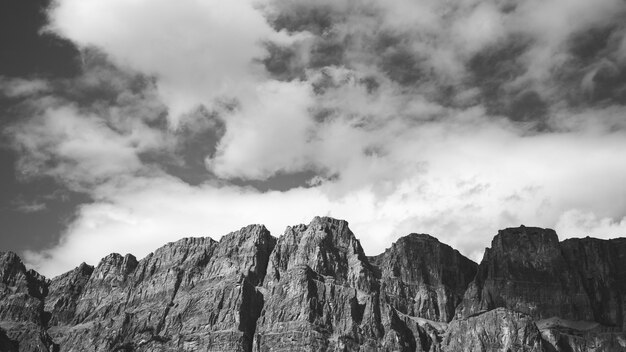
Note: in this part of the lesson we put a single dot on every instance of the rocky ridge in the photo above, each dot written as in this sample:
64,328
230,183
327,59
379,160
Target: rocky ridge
314,289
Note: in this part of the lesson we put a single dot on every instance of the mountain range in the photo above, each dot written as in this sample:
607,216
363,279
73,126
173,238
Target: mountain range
314,289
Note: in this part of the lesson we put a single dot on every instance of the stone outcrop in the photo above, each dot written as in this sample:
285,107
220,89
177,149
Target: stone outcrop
64,294
190,293
601,265
498,330
579,336
575,284
525,271
314,289
23,320
322,293
423,277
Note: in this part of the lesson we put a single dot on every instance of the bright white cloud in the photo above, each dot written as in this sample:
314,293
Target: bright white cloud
391,160
268,134
80,150
578,223
199,50
475,182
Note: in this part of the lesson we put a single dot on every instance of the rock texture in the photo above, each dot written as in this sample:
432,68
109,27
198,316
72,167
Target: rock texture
500,330
321,291
576,283
524,270
423,277
23,320
314,289
190,295
601,265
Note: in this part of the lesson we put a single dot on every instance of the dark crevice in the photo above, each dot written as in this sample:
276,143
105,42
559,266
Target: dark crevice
252,299
249,313
179,279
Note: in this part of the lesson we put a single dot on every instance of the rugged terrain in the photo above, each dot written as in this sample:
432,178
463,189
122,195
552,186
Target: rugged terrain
314,289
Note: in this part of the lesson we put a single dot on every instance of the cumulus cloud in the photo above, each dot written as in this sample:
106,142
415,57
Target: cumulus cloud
454,119
475,182
268,134
199,50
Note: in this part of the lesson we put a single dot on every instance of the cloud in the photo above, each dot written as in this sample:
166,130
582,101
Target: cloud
19,88
411,116
266,135
199,51
475,182
29,207
579,223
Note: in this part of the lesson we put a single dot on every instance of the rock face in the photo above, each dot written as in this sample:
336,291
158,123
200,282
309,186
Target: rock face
64,294
321,291
423,277
524,270
500,330
22,318
577,284
313,289
601,265
190,295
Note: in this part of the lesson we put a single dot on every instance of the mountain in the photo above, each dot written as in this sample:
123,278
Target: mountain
314,289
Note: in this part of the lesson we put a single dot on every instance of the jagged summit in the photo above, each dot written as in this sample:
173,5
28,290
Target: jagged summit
313,288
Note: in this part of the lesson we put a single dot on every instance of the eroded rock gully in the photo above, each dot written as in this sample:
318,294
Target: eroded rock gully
314,289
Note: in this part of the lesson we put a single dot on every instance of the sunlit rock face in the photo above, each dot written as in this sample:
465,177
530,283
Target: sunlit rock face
191,293
499,329
321,292
313,289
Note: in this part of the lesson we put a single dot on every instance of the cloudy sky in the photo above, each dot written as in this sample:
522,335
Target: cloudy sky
128,124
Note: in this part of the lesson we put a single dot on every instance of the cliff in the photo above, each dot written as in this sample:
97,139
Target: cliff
314,289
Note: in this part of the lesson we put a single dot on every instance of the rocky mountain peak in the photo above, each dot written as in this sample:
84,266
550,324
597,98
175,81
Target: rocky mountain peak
524,270
22,316
11,268
313,288
327,246
424,277
116,265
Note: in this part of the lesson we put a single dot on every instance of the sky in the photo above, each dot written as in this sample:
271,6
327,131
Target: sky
129,124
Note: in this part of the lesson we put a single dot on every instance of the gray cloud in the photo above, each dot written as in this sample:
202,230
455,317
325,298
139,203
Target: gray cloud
450,118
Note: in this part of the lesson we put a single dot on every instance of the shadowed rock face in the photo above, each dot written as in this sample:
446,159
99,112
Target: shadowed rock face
423,277
313,289
524,270
65,292
601,265
22,317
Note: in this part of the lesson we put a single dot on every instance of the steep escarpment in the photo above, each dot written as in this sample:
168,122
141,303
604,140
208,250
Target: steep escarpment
314,289
572,290
321,293
64,294
601,265
191,293
423,277
23,320
524,270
